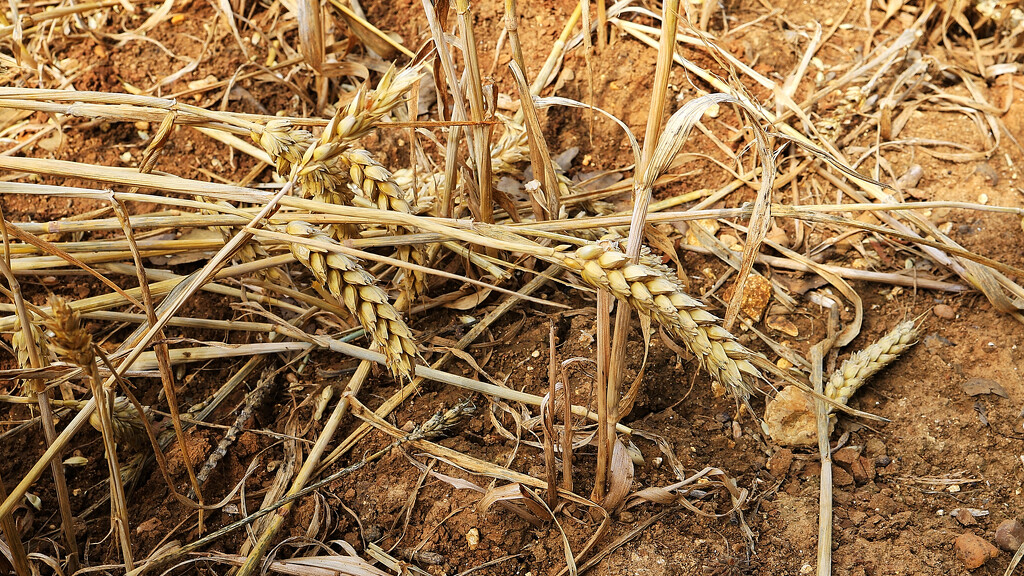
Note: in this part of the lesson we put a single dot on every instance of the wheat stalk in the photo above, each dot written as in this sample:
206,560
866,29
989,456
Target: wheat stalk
653,291
72,341
346,280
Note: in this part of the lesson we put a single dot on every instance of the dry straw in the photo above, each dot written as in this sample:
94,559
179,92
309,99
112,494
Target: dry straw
654,292
346,280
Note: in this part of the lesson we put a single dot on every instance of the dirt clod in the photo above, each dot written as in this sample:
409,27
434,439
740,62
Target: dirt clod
965,518
790,418
973,550
780,462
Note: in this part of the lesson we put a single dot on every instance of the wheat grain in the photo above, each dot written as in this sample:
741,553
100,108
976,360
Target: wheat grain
655,292
346,280
284,143
865,363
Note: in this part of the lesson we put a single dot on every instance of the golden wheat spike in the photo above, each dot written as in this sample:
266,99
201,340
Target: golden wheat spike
357,289
656,293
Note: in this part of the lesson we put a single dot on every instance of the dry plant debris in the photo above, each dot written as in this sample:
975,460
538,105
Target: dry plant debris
402,194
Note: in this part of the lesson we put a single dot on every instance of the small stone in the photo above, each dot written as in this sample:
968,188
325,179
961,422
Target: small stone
974,550
782,324
780,462
757,293
874,447
1010,535
627,518
473,538
987,346
789,418
847,455
883,461
964,517
864,470
944,311
841,477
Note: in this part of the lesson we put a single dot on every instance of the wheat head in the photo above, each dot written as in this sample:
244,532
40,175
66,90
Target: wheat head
863,364
346,280
366,108
655,292
284,143
70,340
21,346
128,427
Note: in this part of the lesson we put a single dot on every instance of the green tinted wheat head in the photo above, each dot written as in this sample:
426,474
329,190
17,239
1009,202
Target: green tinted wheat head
654,292
865,363
346,280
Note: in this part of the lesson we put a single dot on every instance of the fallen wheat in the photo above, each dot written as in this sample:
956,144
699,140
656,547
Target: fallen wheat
654,292
789,417
284,143
346,280
375,185
866,363
366,108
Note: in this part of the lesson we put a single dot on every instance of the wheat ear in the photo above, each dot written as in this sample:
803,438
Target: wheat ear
21,351
21,346
866,363
72,341
377,187
346,280
284,143
654,292
128,427
366,108
789,417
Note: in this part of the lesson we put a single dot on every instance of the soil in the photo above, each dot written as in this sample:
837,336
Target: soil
897,482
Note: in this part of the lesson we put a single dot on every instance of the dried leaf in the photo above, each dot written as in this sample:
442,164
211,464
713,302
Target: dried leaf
979,386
